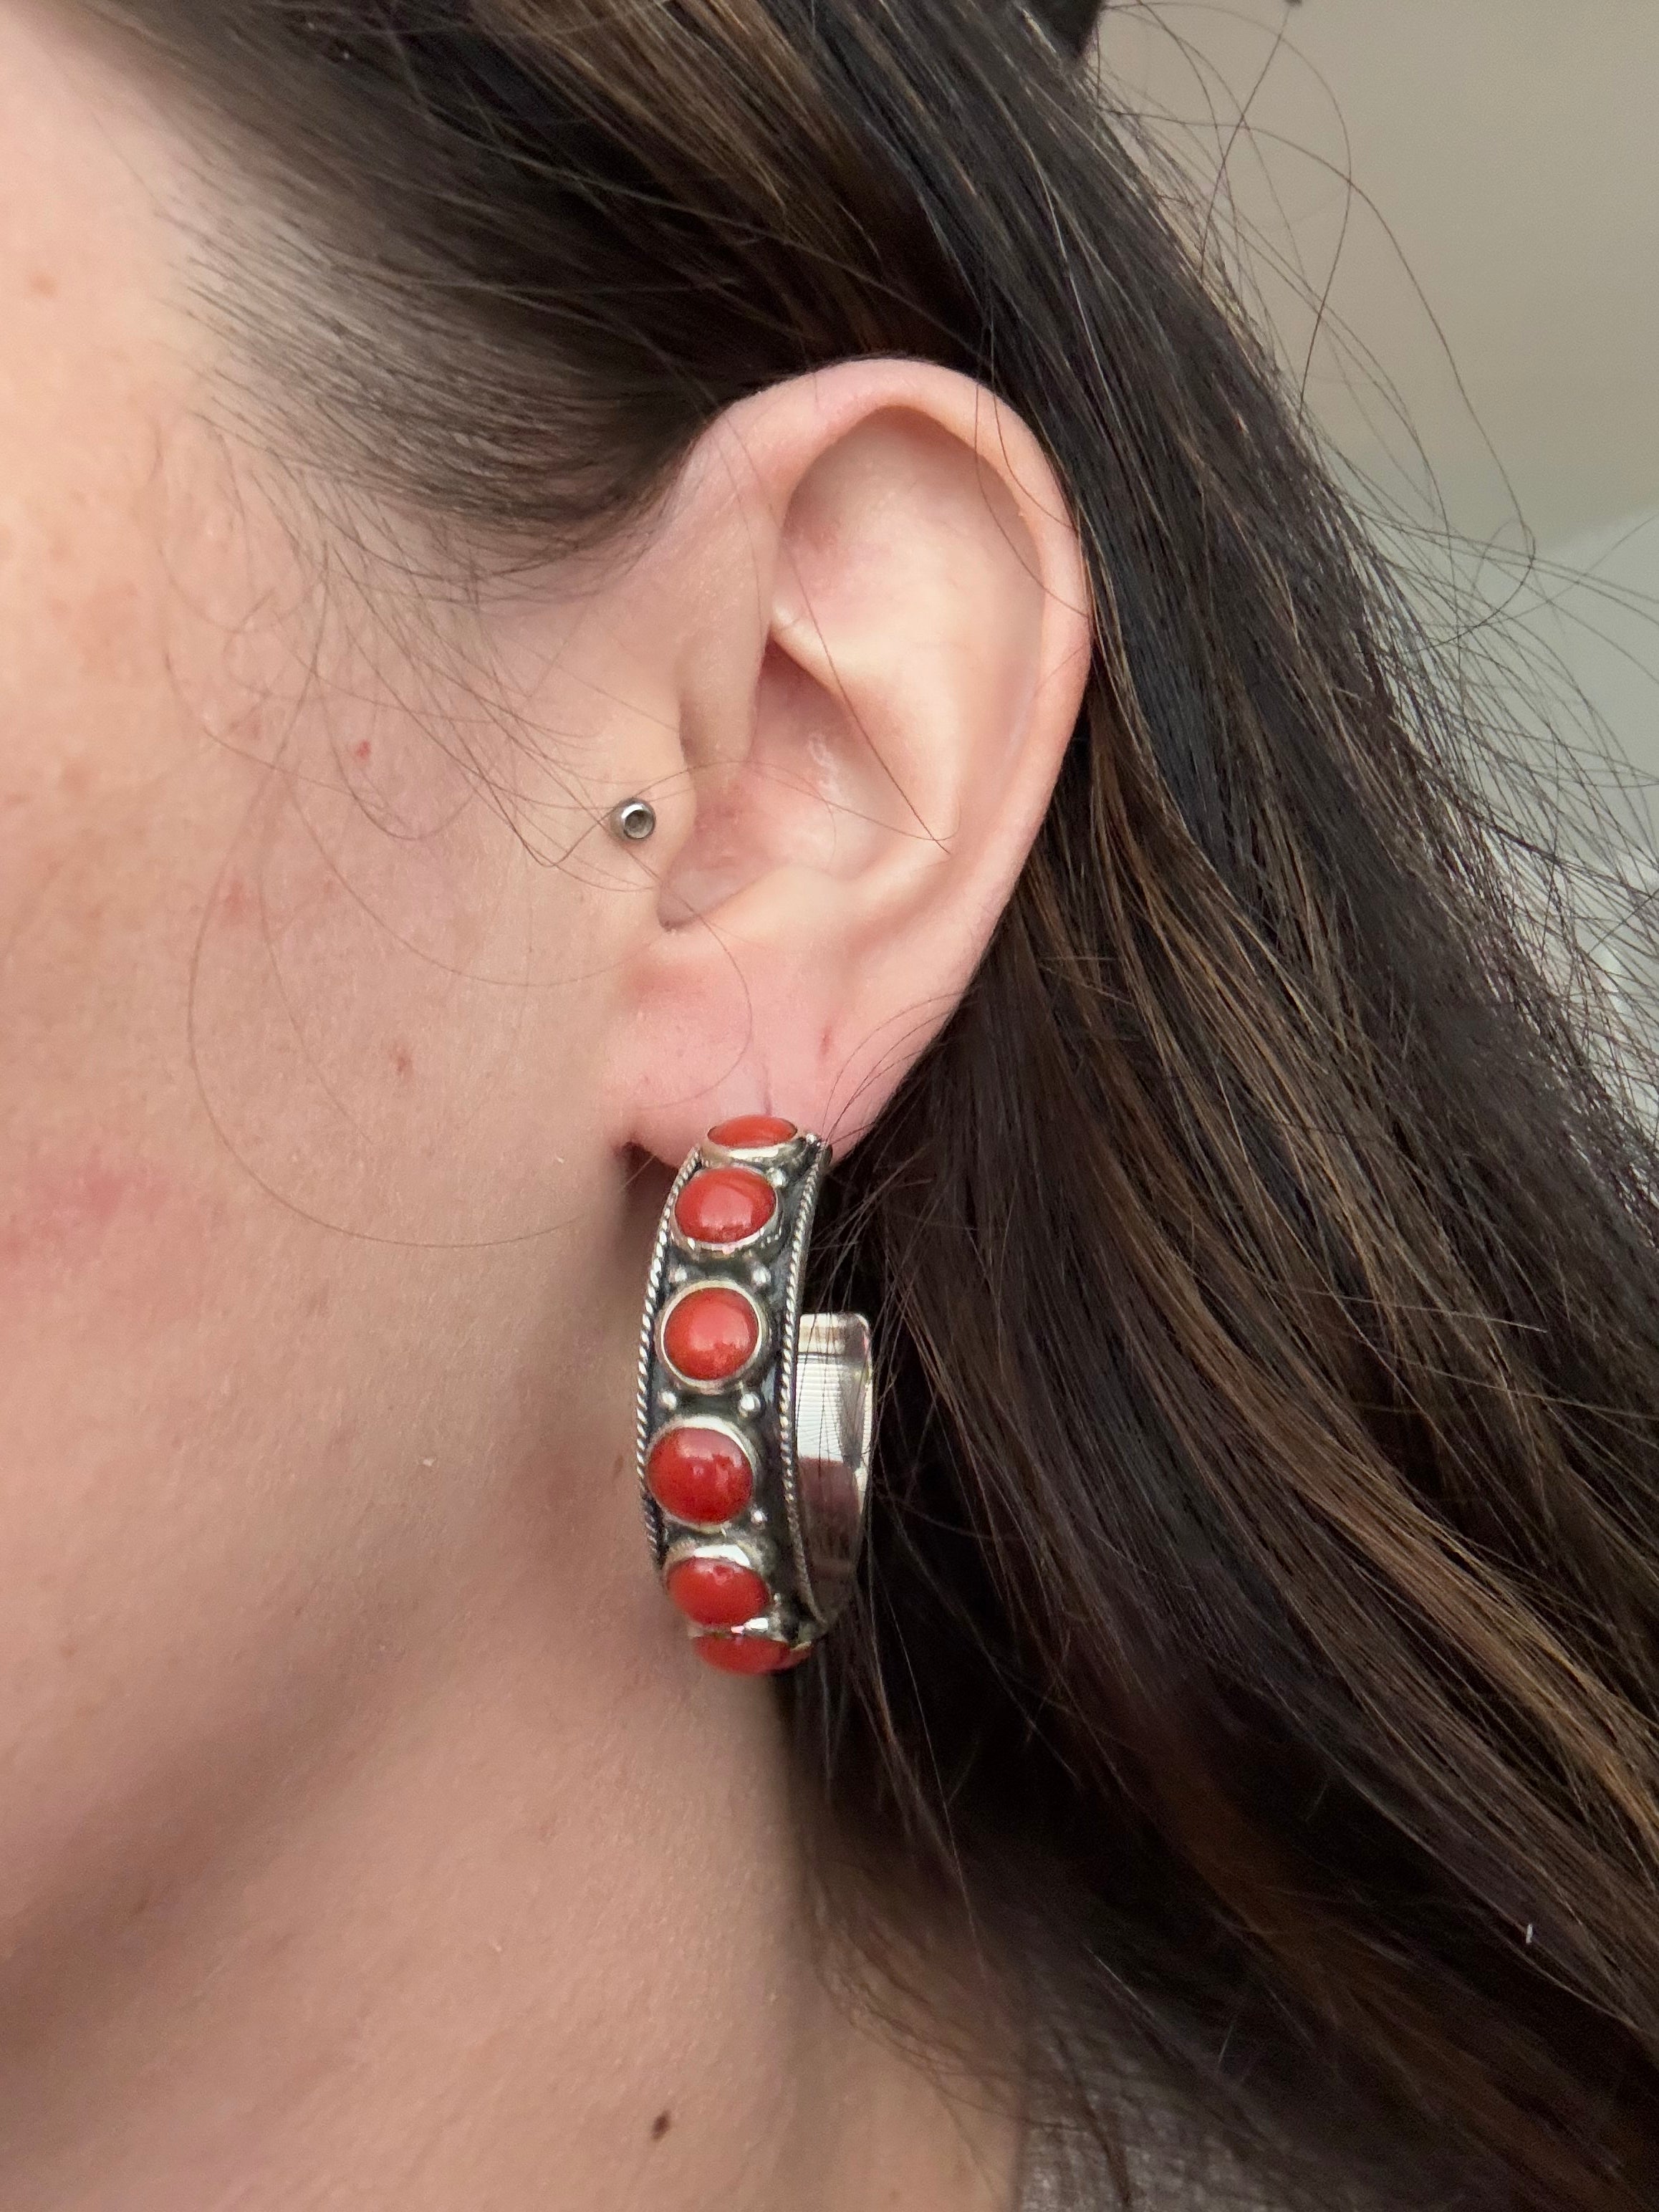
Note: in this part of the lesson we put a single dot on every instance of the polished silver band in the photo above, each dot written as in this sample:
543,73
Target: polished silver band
801,1410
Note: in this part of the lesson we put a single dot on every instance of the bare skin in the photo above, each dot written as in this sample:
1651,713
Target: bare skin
369,1834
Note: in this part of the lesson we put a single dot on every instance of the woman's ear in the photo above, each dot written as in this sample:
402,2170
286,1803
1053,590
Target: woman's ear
872,630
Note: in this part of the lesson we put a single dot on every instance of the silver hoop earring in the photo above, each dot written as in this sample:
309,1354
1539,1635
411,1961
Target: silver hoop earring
633,819
754,1419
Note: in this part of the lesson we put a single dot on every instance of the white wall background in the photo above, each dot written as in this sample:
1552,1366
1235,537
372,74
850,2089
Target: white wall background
1472,188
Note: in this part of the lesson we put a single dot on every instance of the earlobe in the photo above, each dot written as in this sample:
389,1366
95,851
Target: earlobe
871,727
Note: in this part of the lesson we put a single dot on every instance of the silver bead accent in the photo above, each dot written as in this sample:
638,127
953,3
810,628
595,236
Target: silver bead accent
668,1400
677,1275
632,819
761,1277
751,1404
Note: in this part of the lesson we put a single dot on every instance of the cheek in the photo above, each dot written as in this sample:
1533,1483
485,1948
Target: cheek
92,1230
124,1490
113,1342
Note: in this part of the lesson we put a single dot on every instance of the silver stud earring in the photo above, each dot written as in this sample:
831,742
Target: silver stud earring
633,819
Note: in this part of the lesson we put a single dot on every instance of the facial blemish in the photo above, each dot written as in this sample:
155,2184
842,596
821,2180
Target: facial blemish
236,901
66,1211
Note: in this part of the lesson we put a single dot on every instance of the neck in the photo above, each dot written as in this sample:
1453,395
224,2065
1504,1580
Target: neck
514,1917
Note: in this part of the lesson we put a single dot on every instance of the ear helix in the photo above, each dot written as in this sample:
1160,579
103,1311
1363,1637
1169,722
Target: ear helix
754,1418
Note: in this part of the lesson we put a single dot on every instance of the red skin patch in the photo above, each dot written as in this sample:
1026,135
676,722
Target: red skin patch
119,1231
236,902
64,1211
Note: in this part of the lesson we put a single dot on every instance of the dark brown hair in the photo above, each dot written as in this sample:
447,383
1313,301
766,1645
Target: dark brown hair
1257,1643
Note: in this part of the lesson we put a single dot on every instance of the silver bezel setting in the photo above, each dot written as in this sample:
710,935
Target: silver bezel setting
766,1238
717,1385
801,1528
784,1153
762,1630
725,1548
701,1416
